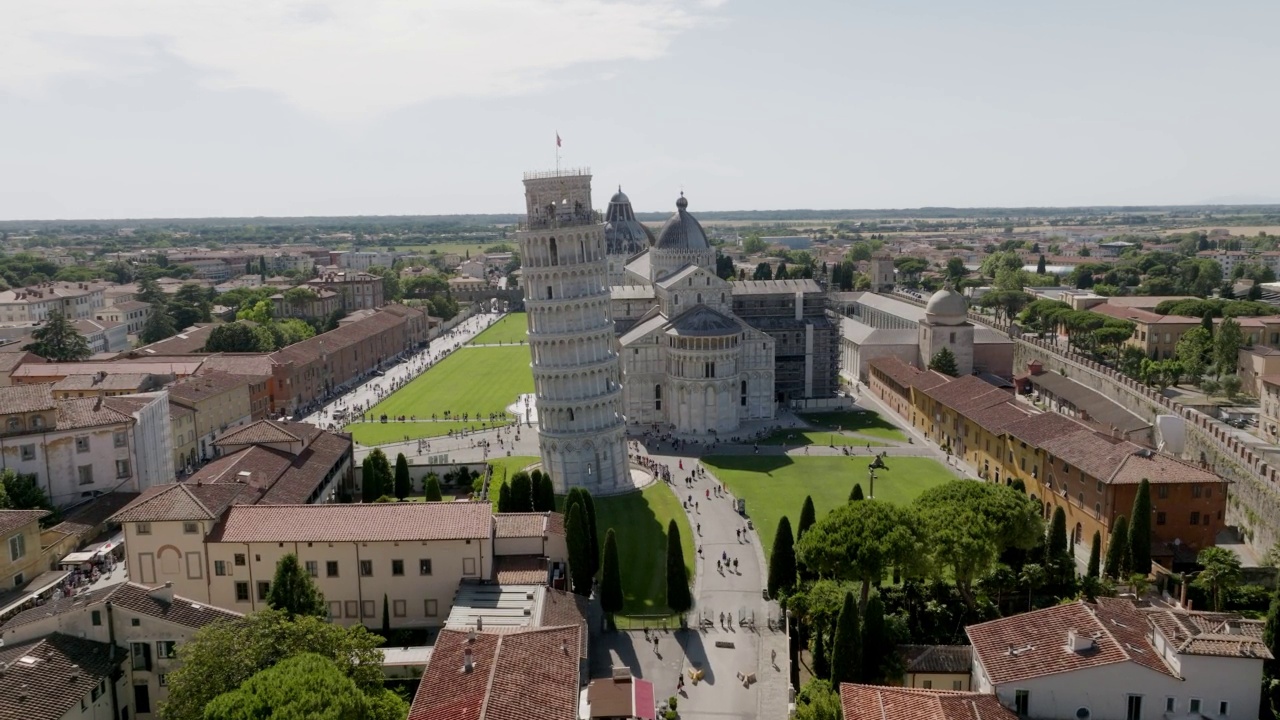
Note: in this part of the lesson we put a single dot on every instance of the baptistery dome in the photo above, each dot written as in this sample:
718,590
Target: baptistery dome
946,307
623,234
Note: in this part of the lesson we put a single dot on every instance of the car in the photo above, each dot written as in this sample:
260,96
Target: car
379,373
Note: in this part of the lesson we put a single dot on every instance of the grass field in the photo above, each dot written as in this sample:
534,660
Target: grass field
505,467
867,423
774,485
817,437
376,433
472,380
511,329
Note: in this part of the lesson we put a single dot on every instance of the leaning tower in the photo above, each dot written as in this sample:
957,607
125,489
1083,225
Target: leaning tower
576,373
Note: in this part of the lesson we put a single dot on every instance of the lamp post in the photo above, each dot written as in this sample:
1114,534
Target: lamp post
871,475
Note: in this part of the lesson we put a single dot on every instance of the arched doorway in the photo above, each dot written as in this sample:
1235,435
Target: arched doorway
1079,534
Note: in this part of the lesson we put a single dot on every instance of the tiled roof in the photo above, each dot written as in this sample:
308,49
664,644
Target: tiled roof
1034,644
85,519
1204,633
57,607
342,337
555,523
14,520
895,369
206,385
26,398
75,413
515,676
182,611
259,364
961,389
10,360
937,658
1100,408
997,418
373,522
1159,468
514,525
1044,426
112,381
151,367
262,431
128,404
560,608
1095,454
185,501
45,679
878,702
520,569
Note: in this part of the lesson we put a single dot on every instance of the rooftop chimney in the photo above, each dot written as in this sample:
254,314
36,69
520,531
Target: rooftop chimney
163,593
468,663
564,646
479,623
1078,642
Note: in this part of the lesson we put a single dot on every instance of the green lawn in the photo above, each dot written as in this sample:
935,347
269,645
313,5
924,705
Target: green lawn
376,433
505,467
776,485
817,437
510,329
473,380
866,422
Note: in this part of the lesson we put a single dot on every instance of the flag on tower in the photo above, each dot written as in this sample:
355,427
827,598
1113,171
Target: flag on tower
557,139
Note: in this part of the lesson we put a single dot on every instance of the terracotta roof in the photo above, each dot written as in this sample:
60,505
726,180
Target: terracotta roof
285,478
342,337
514,525
128,404
259,364
1159,468
14,520
26,398
373,522
877,702
520,570
960,390
10,359
514,676
262,432
113,381
45,679
62,605
1206,633
206,385
895,369
185,501
1044,426
1034,644
85,519
181,611
560,608
74,413
937,658
1095,454
998,417
555,523
150,366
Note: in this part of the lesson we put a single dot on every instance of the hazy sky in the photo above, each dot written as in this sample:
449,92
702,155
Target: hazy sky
156,108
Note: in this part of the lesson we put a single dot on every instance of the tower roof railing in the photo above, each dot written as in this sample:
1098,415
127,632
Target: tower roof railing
561,220
565,172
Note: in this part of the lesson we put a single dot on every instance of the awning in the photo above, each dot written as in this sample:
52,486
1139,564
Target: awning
76,558
42,583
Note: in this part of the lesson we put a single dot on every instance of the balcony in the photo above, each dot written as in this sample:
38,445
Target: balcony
562,220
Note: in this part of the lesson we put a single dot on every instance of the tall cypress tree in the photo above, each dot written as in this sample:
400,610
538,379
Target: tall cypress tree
846,647
611,597
807,517
1117,548
876,643
1058,556
386,618
431,488
504,497
678,598
575,532
1140,530
1095,555
856,493
293,591
382,469
782,560
521,492
368,480
821,661
1271,636
593,538
404,484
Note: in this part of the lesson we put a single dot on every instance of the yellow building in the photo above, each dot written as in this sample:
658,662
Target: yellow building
21,558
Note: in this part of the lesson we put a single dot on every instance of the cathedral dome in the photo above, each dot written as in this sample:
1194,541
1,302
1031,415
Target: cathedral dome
682,231
623,234
946,307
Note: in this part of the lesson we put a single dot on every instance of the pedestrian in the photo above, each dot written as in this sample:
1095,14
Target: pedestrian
738,533
695,507
735,565
719,567
699,529
655,643
708,493
699,551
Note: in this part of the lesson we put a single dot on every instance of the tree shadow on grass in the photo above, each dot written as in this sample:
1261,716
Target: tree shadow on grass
749,463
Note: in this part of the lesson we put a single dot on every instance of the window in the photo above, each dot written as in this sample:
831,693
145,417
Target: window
1197,491
119,439
17,547
657,397
335,609
96,617
1170,704
239,559
1224,707
28,452
220,568
144,528
366,608
366,568
331,568
431,608
468,566
1162,492
1021,701
927,684
141,653
1160,518
122,469
142,698
13,424
398,608
86,474
242,592
313,568
135,622
1195,518
424,567
163,678
956,684
264,589
1082,713
166,649
82,444
1195,705
397,567
352,609
191,528
1134,708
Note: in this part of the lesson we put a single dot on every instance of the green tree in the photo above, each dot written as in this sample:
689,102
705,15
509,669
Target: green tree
293,592
149,292
58,340
1194,350
1118,548
403,483
879,657
1095,556
504,498
782,560
969,524
817,700
808,516
521,492
575,531
678,597
860,541
157,327
1140,530
821,658
1226,346
382,472
781,273
544,499
1271,636
944,361
386,617
611,597
431,488
368,480
239,337
303,686
856,493
1058,558
846,646
1040,267
221,656
1221,573
20,491
763,272
593,539
1034,577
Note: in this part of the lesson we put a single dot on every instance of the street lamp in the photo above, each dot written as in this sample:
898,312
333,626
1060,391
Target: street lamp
871,474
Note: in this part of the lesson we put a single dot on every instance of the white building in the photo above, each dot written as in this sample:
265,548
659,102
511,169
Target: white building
576,374
1114,661
132,314
75,300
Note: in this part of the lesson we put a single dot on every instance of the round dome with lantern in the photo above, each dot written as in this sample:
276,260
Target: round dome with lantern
681,242
946,307
623,234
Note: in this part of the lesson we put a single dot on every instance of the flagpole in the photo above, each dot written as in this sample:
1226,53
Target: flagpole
557,152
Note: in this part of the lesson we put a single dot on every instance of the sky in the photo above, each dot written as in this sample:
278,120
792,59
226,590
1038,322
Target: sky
200,108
